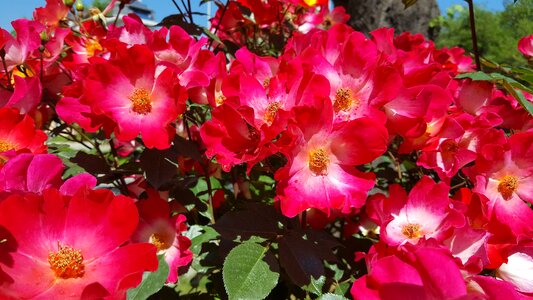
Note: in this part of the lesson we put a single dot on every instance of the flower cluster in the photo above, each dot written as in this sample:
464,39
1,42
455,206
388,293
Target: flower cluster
328,119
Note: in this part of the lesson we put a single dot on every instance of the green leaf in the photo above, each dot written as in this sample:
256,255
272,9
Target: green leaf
475,76
152,282
198,238
408,3
519,97
315,286
330,296
510,85
212,36
201,191
342,288
245,273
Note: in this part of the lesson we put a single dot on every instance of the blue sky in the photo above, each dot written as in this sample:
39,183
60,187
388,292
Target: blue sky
10,10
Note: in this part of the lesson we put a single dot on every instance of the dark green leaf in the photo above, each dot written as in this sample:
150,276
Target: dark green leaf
255,219
91,163
159,166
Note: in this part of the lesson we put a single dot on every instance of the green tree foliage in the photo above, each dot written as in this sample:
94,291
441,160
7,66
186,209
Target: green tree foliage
100,4
498,32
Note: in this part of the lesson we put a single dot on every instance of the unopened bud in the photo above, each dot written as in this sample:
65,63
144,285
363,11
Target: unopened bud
79,6
68,3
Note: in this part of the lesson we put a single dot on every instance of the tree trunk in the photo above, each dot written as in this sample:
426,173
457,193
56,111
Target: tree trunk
367,15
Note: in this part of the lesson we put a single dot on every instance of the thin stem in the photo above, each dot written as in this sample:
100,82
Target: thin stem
41,50
120,8
219,21
8,74
178,7
205,167
303,219
460,184
473,33
123,186
190,11
398,166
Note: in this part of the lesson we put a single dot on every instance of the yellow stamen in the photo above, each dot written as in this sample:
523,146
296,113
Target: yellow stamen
345,100
141,101
6,146
67,262
159,241
318,161
412,231
92,47
271,111
507,186
220,99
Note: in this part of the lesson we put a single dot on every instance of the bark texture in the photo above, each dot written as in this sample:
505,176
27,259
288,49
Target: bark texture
367,15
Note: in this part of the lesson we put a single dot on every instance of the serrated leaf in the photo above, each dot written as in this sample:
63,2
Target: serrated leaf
246,274
337,271
208,234
342,288
330,296
255,219
315,286
158,166
187,148
91,163
408,3
151,283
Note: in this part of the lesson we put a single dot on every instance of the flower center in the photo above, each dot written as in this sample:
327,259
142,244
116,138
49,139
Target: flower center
67,262
318,162
344,100
159,241
220,99
266,82
6,146
270,112
449,146
412,231
507,186
92,47
141,101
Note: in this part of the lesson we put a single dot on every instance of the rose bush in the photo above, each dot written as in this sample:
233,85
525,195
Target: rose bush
279,153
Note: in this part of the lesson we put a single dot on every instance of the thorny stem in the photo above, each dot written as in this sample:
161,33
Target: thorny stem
473,33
